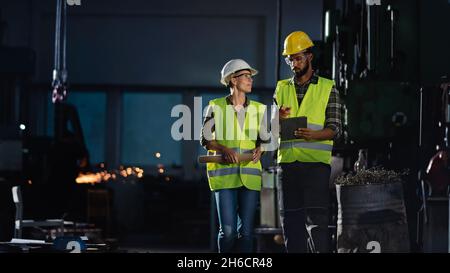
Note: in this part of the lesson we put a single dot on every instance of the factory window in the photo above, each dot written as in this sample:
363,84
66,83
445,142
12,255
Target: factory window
146,129
91,108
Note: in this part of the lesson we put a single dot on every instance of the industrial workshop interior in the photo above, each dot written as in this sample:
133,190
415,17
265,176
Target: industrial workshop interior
105,107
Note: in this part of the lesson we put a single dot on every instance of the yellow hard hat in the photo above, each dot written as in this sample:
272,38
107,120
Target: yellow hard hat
296,42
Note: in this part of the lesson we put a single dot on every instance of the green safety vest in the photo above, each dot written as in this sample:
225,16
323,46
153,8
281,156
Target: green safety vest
243,140
313,106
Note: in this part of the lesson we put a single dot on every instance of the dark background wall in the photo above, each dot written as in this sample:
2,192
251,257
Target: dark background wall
174,43
433,36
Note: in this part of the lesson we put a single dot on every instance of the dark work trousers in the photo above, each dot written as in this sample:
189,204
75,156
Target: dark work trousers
304,201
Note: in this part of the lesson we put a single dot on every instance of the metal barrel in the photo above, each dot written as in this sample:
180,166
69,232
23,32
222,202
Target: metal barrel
372,218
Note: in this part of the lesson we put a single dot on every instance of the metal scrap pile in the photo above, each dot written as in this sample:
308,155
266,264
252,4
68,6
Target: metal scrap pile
375,175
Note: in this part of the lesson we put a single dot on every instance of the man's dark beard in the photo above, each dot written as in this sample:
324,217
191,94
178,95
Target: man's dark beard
301,72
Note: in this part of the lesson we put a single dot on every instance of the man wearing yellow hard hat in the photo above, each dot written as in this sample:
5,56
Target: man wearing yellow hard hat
305,160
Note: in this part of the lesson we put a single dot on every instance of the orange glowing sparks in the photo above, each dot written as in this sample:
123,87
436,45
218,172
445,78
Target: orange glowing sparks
89,178
105,176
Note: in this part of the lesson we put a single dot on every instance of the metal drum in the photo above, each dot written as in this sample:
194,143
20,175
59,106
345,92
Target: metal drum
372,218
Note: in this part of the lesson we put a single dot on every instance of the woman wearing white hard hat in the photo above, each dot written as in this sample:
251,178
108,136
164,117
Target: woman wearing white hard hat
236,183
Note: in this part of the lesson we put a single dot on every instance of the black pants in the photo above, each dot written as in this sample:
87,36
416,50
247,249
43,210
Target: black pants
304,201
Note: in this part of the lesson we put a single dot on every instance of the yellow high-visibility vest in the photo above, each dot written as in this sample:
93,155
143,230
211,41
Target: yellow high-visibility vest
313,106
243,140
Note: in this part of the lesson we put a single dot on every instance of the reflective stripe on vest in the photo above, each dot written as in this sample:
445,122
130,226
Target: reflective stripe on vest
308,145
237,150
314,126
235,170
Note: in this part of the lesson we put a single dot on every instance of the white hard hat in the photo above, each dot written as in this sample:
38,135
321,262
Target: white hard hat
234,66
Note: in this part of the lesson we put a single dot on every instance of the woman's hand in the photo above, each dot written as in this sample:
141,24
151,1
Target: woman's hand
229,155
257,152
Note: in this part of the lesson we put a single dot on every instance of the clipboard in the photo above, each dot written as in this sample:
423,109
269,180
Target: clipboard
289,125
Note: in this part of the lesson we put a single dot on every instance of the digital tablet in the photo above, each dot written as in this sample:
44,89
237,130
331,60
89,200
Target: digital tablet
289,125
